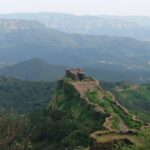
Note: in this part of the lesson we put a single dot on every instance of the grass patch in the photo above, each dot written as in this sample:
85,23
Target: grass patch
126,118
106,106
115,122
93,96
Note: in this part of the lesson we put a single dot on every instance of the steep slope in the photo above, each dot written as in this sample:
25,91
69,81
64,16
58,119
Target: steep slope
87,102
34,69
134,97
81,115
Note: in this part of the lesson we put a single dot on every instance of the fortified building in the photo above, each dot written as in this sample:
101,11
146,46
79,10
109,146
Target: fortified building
76,74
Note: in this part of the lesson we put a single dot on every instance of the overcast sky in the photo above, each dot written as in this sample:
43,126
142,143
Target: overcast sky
79,7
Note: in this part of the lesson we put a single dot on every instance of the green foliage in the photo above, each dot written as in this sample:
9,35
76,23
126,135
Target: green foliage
68,100
67,123
136,100
52,130
58,130
93,96
24,96
110,107
125,117
108,97
14,132
44,129
144,137
106,106
66,79
115,121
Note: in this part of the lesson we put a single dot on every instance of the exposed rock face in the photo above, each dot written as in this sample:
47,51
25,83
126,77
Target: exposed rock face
76,74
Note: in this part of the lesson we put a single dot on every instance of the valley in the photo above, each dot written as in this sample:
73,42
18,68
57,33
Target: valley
127,58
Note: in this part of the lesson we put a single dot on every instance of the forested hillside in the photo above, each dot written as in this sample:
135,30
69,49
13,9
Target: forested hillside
134,97
24,96
70,117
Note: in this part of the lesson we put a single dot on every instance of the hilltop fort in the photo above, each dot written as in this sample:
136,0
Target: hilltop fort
83,98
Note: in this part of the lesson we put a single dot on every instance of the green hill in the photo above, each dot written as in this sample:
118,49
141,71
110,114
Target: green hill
34,70
95,109
37,69
24,96
134,97
80,115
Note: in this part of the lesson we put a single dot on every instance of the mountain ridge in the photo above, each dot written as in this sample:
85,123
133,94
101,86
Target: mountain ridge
133,26
86,101
38,40
122,56
34,70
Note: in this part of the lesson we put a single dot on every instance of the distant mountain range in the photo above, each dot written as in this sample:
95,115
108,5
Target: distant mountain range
106,57
136,27
21,40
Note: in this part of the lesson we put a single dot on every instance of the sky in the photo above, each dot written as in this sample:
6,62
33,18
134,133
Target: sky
79,7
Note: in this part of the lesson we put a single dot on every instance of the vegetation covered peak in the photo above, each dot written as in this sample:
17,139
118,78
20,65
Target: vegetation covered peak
87,102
